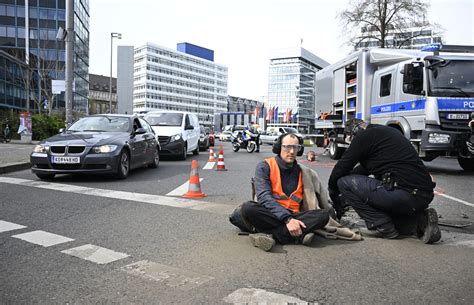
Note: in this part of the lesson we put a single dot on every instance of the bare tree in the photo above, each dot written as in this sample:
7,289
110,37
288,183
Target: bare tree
381,19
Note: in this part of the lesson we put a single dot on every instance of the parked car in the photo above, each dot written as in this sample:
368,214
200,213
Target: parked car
203,139
111,144
178,132
225,135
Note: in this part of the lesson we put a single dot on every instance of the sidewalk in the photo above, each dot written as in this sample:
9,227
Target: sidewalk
15,156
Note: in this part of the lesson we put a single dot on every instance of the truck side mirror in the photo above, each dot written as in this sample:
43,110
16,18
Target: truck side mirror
407,74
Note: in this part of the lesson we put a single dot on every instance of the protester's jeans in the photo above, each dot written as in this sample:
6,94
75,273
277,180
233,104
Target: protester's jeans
265,222
377,203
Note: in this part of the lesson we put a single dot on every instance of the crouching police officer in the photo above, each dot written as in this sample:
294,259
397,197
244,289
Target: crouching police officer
395,201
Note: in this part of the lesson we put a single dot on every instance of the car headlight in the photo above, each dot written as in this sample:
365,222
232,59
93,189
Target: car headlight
175,137
104,149
40,149
439,138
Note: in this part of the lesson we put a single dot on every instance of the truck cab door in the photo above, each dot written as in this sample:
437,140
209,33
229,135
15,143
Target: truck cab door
383,96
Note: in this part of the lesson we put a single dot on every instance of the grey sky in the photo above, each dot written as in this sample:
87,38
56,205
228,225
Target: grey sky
243,33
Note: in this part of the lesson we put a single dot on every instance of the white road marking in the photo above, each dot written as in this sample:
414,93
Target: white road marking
260,296
95,254
193,204
209,165
43,238
455,199
181,190
170,276
9,226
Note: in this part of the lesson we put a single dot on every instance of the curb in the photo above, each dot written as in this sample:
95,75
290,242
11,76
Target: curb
14,166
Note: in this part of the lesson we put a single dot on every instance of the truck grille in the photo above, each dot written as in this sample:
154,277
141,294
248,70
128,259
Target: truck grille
447,124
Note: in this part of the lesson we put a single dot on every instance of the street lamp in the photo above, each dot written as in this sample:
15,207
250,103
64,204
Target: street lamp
112,36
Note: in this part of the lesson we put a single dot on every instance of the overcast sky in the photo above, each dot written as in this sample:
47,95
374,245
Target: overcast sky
243,33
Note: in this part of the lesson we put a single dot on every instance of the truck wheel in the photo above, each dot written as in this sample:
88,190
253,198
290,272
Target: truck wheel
467,164
335,152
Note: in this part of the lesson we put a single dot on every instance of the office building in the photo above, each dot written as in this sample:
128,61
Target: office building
29,30
291,87
409,38
186,79
99,94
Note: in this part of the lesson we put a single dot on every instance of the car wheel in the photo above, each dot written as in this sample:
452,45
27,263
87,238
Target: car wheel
156,158
45,176
184,152
123,165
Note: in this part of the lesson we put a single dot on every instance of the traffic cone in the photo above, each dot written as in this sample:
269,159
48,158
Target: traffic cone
220,160
194,190
211,155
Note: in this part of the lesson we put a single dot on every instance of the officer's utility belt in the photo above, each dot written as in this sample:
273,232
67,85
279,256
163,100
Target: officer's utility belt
389,182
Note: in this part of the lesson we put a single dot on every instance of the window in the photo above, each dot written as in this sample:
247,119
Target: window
385,83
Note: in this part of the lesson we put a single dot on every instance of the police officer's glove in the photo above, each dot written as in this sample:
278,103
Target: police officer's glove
337,203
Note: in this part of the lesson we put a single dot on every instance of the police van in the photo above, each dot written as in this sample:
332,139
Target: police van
428,95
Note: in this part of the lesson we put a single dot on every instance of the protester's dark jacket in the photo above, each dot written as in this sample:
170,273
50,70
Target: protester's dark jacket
382,149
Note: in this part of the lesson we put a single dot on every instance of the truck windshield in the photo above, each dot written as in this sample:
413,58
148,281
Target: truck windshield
454,78
164,119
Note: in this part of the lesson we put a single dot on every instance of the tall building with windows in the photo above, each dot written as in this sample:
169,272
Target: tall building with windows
186,79
28,31
409,38
291,86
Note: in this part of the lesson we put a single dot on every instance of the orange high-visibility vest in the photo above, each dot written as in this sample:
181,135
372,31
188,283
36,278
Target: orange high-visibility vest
292,202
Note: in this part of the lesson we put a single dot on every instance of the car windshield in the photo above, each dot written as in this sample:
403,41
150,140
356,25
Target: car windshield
454,78
164,119
101,123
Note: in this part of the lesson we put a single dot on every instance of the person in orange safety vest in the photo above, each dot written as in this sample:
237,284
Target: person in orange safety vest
279,215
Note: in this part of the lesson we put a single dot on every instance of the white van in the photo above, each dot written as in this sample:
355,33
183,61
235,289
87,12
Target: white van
177,132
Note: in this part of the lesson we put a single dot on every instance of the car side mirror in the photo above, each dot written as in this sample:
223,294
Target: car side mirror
61,130
140,131
189,127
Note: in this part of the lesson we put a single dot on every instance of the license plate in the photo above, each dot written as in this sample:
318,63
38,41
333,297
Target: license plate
458,116
65,160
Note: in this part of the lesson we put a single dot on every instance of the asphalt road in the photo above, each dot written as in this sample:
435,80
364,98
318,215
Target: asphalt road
161,249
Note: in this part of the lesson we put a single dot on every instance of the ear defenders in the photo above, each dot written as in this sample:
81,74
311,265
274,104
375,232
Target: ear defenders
277,145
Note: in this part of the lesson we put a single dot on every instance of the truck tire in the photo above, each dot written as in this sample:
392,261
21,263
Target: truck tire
467,164
335,152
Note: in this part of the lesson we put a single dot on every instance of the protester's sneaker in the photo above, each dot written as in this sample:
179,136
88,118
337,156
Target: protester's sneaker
262,241
384,231
427,226
307,239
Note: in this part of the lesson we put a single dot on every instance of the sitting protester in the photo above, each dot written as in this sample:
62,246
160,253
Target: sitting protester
292,203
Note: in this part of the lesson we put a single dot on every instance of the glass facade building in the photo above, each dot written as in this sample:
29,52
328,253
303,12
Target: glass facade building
174,80
28,30
291,86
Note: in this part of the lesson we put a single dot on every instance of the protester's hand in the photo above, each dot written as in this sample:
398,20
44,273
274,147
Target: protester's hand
295,226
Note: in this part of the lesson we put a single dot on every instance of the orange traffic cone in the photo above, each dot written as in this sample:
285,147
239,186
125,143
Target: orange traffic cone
211,155
194,190
220,160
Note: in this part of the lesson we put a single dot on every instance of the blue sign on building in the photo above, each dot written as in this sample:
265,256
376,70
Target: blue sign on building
195,50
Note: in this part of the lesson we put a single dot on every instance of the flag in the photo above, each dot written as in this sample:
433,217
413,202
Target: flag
262,111
275,114
270,114
295,117
289,115
257,111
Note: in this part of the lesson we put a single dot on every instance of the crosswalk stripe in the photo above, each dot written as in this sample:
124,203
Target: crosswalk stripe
260,296
95,254
180,190
209,165
193,204
43,238
9,226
